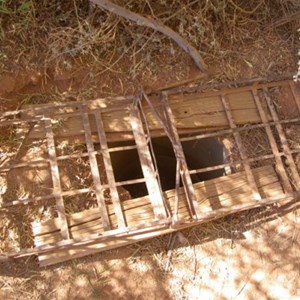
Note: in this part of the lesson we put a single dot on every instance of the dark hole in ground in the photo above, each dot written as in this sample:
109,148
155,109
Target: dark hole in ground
199,154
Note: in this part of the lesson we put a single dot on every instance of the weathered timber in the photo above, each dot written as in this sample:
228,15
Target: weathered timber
192,113
223,192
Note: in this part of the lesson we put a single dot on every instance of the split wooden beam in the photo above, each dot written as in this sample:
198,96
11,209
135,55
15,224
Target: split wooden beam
167,123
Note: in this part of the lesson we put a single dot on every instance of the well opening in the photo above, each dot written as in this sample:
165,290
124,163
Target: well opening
199,154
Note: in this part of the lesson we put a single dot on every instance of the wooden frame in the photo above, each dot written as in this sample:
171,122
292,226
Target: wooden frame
141,117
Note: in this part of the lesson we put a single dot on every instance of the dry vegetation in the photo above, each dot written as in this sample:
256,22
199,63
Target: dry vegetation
77,50
69,50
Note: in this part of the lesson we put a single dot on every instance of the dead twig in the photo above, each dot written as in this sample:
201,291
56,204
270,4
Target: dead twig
156,25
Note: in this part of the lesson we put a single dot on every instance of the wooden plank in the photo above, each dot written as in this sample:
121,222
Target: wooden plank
188,115
241,148
142,217
109,171
284,141
139,216
238,129
121,129
184,172
228,190
95,171
98,246
225,183
7,168
119,101
279,165
154,192
63,223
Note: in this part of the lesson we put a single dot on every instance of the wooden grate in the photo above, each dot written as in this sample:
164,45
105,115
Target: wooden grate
181,118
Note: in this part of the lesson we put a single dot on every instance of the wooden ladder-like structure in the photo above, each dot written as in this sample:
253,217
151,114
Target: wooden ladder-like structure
119,223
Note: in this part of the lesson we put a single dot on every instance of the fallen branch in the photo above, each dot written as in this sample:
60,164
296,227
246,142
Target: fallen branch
156,25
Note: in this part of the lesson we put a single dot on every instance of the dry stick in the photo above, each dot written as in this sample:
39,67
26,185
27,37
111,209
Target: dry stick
156,25
178,84
249,12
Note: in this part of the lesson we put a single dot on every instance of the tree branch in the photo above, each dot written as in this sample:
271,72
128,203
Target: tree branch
156,25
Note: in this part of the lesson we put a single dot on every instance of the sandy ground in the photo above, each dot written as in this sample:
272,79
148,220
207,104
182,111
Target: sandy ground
254,255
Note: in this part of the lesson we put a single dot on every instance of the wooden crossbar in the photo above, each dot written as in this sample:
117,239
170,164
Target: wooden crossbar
283,139
57,192
182,165
95,170
147,164
122,221
279,165
241,148
109,171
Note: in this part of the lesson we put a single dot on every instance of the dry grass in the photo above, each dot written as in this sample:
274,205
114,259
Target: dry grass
75,41
59,37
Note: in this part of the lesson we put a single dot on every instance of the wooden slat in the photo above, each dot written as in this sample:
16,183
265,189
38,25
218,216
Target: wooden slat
109,171
147,165
283,139
185,175
95,171
238,200
238,129
241,148
224,184
87,190
7,168
226,190
188,115
56,181
279,165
